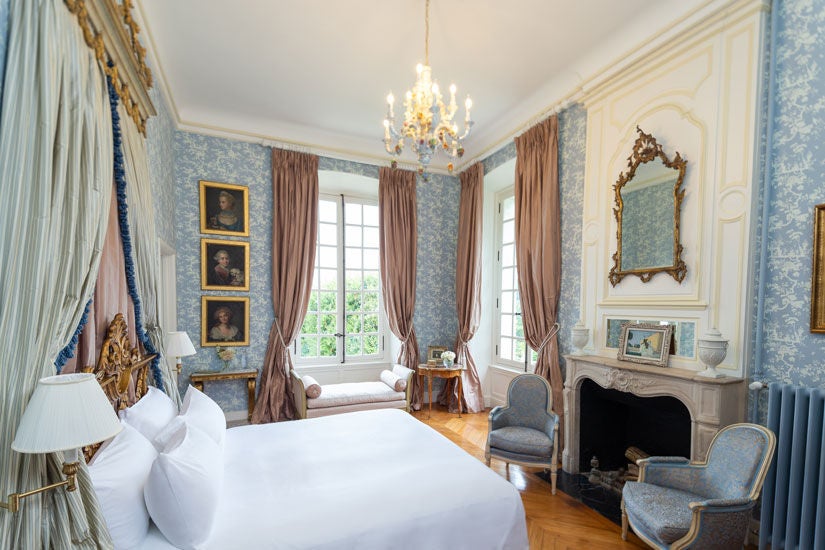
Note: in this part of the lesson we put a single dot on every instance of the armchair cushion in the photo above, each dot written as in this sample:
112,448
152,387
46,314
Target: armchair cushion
516,439
661,511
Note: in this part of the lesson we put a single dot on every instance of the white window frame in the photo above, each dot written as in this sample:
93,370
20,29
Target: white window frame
342,358
525,366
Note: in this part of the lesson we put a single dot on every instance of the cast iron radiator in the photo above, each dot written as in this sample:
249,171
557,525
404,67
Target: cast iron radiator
793,497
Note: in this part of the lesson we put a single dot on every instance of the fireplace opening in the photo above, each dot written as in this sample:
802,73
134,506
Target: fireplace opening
611,421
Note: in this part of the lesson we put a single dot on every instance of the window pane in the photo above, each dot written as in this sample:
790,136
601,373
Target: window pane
352,212
353,323
506,348
371,237
315,274
371,280
371,344
329,324
352,235
353,301
518,351
328,234
328,346
519,331
371,322
328,302
371,259
327,256
508,278
506,325
310,325
354,281
327,211
353,345
516,301
508,232
329,279
508,208
508,255
370,301
353,258
313,301
371,215
507,302
309,346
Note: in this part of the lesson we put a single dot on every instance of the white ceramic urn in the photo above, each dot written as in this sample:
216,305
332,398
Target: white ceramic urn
712,351
579,336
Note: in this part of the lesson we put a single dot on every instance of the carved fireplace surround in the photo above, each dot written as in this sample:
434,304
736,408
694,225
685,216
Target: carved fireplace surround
713,403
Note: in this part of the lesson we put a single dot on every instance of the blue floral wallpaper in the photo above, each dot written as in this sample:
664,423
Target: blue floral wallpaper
160,150
796,152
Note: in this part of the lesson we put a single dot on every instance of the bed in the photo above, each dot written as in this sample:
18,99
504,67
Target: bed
373,479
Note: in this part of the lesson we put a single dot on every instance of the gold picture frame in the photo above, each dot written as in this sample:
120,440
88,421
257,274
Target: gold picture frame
224,208
218,329
224,265
434,355
818,272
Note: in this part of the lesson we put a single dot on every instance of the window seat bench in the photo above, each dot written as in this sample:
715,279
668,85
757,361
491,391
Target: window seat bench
352,396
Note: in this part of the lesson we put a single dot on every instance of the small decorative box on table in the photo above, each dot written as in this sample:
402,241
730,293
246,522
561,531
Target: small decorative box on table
441,372
250,375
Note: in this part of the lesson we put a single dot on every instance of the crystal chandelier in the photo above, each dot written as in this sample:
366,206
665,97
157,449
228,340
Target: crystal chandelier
428,121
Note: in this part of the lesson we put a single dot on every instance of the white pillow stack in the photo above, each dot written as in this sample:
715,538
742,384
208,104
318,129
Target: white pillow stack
118,472
151,413
197,410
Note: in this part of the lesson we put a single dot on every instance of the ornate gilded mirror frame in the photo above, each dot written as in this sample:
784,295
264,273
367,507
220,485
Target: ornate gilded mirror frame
646,149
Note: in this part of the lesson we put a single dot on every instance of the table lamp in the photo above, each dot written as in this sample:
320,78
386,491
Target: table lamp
65,412
179,345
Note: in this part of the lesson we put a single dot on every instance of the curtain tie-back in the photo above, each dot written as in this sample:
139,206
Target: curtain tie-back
280,335
553,331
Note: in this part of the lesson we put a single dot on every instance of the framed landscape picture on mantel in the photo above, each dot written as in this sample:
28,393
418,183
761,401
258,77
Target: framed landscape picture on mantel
645,343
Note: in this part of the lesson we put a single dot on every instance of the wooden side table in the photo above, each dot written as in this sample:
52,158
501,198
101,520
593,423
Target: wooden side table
198,378
441,372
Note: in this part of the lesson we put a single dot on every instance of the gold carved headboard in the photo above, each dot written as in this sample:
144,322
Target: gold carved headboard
118,366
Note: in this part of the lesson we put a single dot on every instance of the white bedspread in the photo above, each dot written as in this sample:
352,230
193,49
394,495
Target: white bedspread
375,479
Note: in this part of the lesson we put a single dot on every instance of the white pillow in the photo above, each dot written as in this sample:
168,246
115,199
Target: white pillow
151,413
393,380
184,486
119,471
311,386
196,410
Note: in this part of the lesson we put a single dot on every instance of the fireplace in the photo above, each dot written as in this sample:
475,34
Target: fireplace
679,411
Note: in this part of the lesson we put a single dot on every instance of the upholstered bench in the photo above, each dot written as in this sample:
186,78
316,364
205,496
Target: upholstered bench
393,390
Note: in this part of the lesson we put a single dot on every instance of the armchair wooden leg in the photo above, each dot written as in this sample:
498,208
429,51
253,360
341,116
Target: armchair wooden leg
488,461
624,522
553,475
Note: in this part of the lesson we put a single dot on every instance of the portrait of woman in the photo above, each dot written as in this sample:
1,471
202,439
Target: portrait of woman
224,265
224,208
224,321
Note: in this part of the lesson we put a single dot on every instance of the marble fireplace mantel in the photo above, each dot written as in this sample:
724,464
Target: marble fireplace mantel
713,403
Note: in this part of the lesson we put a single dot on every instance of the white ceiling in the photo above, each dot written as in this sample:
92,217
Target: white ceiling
315,73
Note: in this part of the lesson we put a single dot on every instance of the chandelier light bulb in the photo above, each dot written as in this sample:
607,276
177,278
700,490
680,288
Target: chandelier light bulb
468,104
435,88
452,89
419,68
390,98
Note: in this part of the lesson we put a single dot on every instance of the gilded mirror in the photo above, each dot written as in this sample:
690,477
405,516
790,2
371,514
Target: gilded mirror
648,202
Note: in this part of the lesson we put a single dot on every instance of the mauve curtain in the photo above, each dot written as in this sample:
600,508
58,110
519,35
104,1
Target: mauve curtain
467,291
398,245
294,229
538,247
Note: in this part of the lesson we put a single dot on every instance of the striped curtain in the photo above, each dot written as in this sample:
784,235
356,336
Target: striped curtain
56,169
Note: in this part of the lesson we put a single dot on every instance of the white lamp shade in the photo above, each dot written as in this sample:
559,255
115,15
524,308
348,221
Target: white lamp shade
178,344
65,412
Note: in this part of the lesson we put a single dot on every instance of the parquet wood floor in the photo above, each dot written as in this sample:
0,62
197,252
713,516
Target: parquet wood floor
554,522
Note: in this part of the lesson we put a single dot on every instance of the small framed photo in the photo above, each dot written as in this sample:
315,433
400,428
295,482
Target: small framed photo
224,321
224,265
434,355
818,272
224,208
645,343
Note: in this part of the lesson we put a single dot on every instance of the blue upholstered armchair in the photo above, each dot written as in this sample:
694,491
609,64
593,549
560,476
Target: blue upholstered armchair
679,504
526,430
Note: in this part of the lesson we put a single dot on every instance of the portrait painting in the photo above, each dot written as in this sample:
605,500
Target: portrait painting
645,343
224,265
818,272
224,208
434,355
224,321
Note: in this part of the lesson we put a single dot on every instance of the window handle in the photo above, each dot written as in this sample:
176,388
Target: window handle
338,334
